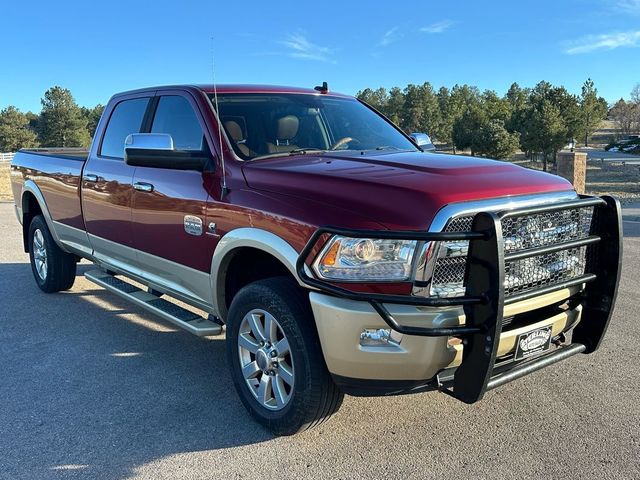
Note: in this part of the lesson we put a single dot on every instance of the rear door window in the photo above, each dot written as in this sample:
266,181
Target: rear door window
126,119
176,117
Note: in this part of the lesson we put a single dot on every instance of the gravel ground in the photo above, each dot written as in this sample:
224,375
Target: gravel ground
92,387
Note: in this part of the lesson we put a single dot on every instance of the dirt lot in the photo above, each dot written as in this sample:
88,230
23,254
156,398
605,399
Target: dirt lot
5,185
614,178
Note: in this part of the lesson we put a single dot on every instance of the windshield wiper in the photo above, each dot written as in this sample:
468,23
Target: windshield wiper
387,147
296,151
304,151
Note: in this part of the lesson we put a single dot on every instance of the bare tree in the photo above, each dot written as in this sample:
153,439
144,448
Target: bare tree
623,113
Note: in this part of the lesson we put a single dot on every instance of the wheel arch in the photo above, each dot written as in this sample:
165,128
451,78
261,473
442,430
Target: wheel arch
32,203
258,242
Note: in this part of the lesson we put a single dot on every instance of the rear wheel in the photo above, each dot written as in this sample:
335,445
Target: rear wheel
53,269
275,357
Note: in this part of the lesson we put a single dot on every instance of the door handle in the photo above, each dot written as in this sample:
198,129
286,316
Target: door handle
143,187
90,178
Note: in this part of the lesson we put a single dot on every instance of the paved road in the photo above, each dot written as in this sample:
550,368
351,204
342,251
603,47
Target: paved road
91,387
610,156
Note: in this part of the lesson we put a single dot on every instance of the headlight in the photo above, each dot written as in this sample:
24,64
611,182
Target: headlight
366,259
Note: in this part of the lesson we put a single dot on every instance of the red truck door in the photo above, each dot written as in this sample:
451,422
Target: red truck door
107,184
169,206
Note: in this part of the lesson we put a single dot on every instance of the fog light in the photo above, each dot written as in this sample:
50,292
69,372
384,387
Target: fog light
379,337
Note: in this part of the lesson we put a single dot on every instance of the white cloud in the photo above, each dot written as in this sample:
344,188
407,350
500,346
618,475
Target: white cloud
607,41
300,47
390,37
437,27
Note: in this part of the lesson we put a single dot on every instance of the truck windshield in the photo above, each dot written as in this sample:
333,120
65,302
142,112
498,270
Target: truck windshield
278,124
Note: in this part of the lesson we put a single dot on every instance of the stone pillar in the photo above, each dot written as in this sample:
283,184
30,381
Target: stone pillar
573,167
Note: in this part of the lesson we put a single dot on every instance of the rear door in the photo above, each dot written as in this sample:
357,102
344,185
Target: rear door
169,206
107,184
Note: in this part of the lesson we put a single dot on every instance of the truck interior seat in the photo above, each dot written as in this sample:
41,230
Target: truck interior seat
237,135
286,131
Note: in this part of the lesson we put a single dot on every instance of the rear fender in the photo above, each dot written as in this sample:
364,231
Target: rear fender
24,213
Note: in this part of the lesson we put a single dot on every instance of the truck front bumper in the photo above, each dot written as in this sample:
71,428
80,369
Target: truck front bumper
463,346
407,362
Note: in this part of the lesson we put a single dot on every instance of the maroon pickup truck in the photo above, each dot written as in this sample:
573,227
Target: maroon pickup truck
336,255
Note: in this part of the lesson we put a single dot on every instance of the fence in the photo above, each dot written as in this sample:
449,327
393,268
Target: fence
6,157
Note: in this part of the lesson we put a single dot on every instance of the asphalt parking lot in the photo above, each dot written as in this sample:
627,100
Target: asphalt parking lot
92,387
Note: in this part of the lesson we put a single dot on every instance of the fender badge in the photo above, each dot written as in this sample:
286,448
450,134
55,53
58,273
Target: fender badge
193,225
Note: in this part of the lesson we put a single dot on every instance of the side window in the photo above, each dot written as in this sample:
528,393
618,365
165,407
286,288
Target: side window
126,119
176,117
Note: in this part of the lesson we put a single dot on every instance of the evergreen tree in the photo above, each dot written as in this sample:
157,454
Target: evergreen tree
544,131
593,110
61,121
15,132
394,108
494,141
92,116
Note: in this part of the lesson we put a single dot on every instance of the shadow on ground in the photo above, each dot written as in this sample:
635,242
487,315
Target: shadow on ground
106,388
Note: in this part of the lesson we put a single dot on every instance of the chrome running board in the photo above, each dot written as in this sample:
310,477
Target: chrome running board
181,317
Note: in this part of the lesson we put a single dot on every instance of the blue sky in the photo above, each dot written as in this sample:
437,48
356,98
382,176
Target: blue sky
98,48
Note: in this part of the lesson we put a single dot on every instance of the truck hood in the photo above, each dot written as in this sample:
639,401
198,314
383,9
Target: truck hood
401,190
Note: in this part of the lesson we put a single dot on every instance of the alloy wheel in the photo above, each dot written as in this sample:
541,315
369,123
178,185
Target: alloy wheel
265,359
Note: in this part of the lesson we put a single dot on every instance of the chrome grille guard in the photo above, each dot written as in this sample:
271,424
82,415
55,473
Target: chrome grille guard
484,298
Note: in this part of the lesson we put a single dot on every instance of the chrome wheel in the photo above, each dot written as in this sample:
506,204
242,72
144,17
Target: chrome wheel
40,254
265,359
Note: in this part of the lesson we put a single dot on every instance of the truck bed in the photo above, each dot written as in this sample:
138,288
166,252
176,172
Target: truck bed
71,153
58,172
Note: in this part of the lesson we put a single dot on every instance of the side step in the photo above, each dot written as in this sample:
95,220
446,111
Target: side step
183,318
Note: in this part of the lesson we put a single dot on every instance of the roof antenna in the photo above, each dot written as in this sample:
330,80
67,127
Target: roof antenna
324,88
225,189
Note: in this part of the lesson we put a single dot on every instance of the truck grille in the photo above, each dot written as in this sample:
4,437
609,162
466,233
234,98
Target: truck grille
520,233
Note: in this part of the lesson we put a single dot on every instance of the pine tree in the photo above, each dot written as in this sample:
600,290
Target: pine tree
61,121
593,110
15,132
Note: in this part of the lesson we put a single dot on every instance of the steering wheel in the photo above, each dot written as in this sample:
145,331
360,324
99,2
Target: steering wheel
341,142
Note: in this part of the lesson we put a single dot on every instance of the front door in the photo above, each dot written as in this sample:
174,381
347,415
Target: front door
169,230
107,186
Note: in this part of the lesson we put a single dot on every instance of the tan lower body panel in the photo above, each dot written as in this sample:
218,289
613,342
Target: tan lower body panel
340,323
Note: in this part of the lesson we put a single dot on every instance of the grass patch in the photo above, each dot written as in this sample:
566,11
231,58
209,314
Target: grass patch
5,183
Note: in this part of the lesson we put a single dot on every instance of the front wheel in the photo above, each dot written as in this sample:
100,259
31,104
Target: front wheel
275,357
53,269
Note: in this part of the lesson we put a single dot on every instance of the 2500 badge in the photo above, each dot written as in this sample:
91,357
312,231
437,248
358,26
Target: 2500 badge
533,342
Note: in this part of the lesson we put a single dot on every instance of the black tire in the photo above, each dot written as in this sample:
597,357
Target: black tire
60,272
313,397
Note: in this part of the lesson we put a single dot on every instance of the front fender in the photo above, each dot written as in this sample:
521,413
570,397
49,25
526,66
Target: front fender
241,238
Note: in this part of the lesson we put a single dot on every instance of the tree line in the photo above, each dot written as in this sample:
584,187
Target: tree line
60,123
626,113
539,120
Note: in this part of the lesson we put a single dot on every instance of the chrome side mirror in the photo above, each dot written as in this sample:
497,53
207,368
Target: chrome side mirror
156,150
149,141
423,141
